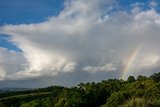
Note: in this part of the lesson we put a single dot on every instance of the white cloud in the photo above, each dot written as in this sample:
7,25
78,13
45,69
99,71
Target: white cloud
153,4
105,68
73,40
11,62
2,73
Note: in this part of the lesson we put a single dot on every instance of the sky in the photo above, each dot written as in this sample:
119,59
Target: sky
65,42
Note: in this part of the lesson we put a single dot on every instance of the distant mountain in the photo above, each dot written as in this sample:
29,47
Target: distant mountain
10,89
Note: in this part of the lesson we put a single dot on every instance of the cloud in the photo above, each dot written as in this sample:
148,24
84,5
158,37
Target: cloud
153,4
11,62
86,37
106,68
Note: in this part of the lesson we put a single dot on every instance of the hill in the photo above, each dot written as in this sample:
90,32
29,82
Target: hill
140,92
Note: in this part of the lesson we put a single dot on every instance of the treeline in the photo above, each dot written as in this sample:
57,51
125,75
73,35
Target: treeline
40,90
140,92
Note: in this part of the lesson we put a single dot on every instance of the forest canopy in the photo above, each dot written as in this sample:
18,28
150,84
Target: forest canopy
134,92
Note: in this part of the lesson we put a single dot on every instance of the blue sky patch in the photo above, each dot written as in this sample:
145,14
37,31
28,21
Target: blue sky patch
5,43
28,11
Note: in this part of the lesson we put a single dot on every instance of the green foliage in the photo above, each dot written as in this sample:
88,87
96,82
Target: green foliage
131,79
141,78
155,77
29,97
134,102
47,102
130,95
118,98
143,92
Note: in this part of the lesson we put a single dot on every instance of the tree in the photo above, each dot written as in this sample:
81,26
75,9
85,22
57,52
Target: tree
155,77
141,78
131,79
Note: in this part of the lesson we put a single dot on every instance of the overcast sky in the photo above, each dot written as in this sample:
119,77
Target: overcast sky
65,42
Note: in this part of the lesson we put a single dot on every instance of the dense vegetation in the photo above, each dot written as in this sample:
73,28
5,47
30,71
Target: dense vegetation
140,92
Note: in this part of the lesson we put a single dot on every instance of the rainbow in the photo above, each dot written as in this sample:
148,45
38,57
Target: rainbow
130,60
